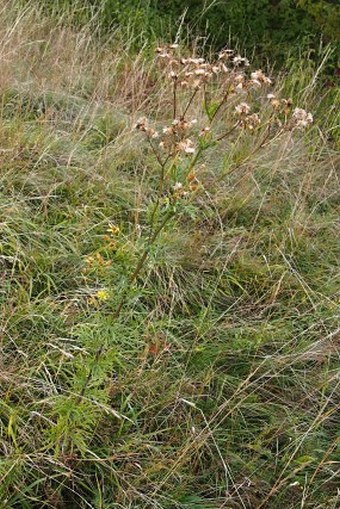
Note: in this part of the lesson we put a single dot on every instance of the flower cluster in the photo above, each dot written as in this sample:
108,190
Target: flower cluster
246,120
280,105
218,86
142,125
301,118
193,72
251,121
242,109
259,78
172,139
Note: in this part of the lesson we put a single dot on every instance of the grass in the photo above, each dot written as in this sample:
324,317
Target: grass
217,386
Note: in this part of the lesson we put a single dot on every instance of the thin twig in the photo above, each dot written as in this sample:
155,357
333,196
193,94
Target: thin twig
189,102
220,138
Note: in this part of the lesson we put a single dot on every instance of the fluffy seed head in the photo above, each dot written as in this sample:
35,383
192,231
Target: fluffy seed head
302,118
242,109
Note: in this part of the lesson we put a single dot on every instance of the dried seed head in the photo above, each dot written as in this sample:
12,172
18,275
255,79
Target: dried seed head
163,53
238,61
251,121
240,88
196,61
168,131
239,78
287,102
152,133
200,72
225,54
301,118
256,83
259,78
142,124
173,76
186,146
276,103
242,109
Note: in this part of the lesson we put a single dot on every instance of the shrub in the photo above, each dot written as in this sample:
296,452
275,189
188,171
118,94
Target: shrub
326,14
270,25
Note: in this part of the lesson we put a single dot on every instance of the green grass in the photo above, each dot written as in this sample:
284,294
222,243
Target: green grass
217,386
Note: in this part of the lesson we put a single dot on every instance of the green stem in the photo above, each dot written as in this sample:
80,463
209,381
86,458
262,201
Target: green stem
133,277
224,99
141,262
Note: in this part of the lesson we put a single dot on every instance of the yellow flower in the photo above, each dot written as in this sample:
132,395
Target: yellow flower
113,229
102,295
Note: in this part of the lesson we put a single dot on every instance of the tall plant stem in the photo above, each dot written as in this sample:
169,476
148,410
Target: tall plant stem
189,102
175,99
139,266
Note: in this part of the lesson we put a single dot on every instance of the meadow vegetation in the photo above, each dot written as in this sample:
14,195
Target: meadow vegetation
271,27
169,286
